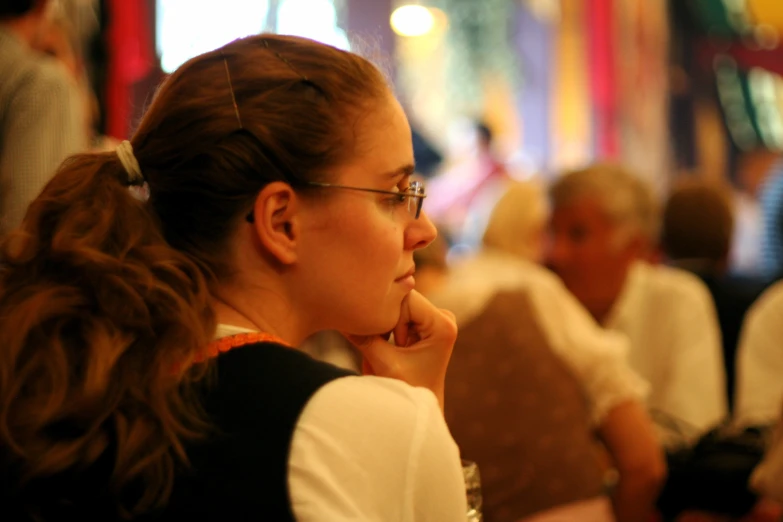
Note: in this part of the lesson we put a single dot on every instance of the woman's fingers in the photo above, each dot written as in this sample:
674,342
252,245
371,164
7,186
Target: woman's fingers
423,339
403,323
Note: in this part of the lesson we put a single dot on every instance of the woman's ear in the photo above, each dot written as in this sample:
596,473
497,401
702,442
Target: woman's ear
275,218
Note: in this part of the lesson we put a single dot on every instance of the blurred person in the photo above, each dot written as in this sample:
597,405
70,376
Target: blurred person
474,167
534,384
697,226
744,256
57,39
604,228
42,111
279,203
759,390
697,232
518,221
758,363
762,169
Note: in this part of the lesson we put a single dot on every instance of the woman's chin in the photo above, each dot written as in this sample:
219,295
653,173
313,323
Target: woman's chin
382,327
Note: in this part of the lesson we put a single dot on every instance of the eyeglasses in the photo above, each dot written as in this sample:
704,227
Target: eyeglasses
413,195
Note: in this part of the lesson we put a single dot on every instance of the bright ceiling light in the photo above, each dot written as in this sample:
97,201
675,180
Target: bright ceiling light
412,20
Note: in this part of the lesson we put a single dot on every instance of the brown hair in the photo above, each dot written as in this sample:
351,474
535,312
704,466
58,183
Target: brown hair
102,294
698,222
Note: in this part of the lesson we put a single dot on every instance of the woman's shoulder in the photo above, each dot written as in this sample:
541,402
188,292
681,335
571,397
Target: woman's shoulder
392,414
375,396
374,448
259,380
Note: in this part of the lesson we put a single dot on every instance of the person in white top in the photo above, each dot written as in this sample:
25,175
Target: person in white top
604,229
42,110
272,198
759,394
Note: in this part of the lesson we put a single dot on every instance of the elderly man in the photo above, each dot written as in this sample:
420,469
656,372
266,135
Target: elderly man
603,230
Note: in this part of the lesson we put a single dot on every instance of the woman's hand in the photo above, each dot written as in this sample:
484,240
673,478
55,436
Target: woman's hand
423,340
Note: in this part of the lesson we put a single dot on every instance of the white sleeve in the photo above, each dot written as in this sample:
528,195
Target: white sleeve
374,449
597,356
695,390
760,363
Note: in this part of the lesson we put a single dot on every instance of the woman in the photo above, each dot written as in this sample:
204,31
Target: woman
279,204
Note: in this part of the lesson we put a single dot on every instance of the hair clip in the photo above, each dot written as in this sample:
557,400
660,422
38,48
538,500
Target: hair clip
231,90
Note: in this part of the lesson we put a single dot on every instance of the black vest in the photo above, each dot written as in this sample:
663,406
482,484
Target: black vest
240,472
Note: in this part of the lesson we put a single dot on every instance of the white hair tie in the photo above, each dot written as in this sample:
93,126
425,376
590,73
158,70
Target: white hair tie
125,153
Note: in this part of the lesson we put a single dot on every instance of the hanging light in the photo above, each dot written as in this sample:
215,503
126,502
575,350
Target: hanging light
412,20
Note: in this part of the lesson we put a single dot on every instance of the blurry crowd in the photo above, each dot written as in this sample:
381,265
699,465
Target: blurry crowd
616,282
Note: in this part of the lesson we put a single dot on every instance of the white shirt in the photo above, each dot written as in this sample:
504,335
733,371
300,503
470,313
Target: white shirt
669,317
373,449
760,361
597,357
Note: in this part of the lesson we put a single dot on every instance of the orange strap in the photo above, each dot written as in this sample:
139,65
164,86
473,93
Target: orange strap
229,342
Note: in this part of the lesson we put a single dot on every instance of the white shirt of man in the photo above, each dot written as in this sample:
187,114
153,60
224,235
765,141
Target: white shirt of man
760,361
670,319
598,358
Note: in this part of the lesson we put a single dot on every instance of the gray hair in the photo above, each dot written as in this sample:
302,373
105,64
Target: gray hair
624,197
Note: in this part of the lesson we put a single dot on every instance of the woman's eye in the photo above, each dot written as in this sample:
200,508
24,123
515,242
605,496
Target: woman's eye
398,199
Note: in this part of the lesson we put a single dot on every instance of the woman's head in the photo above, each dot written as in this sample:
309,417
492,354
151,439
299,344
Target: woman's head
253,155
228,125
229,122
517,224
698,223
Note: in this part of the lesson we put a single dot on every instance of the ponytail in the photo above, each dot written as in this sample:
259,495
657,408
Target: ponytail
96,311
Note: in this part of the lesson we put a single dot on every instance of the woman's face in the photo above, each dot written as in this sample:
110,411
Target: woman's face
358,246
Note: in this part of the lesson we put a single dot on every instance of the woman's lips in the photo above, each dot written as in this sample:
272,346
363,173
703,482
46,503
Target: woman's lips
408,281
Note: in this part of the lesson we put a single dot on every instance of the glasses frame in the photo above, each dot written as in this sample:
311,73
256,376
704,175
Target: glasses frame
414,191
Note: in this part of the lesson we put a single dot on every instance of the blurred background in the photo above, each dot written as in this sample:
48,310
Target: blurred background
669,88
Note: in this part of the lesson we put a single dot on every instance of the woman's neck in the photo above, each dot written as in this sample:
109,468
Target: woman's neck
265,312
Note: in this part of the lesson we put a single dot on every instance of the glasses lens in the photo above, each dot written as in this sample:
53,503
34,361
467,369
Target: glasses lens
415,198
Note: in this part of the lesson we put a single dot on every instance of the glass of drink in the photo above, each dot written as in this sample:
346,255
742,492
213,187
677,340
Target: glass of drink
470,472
